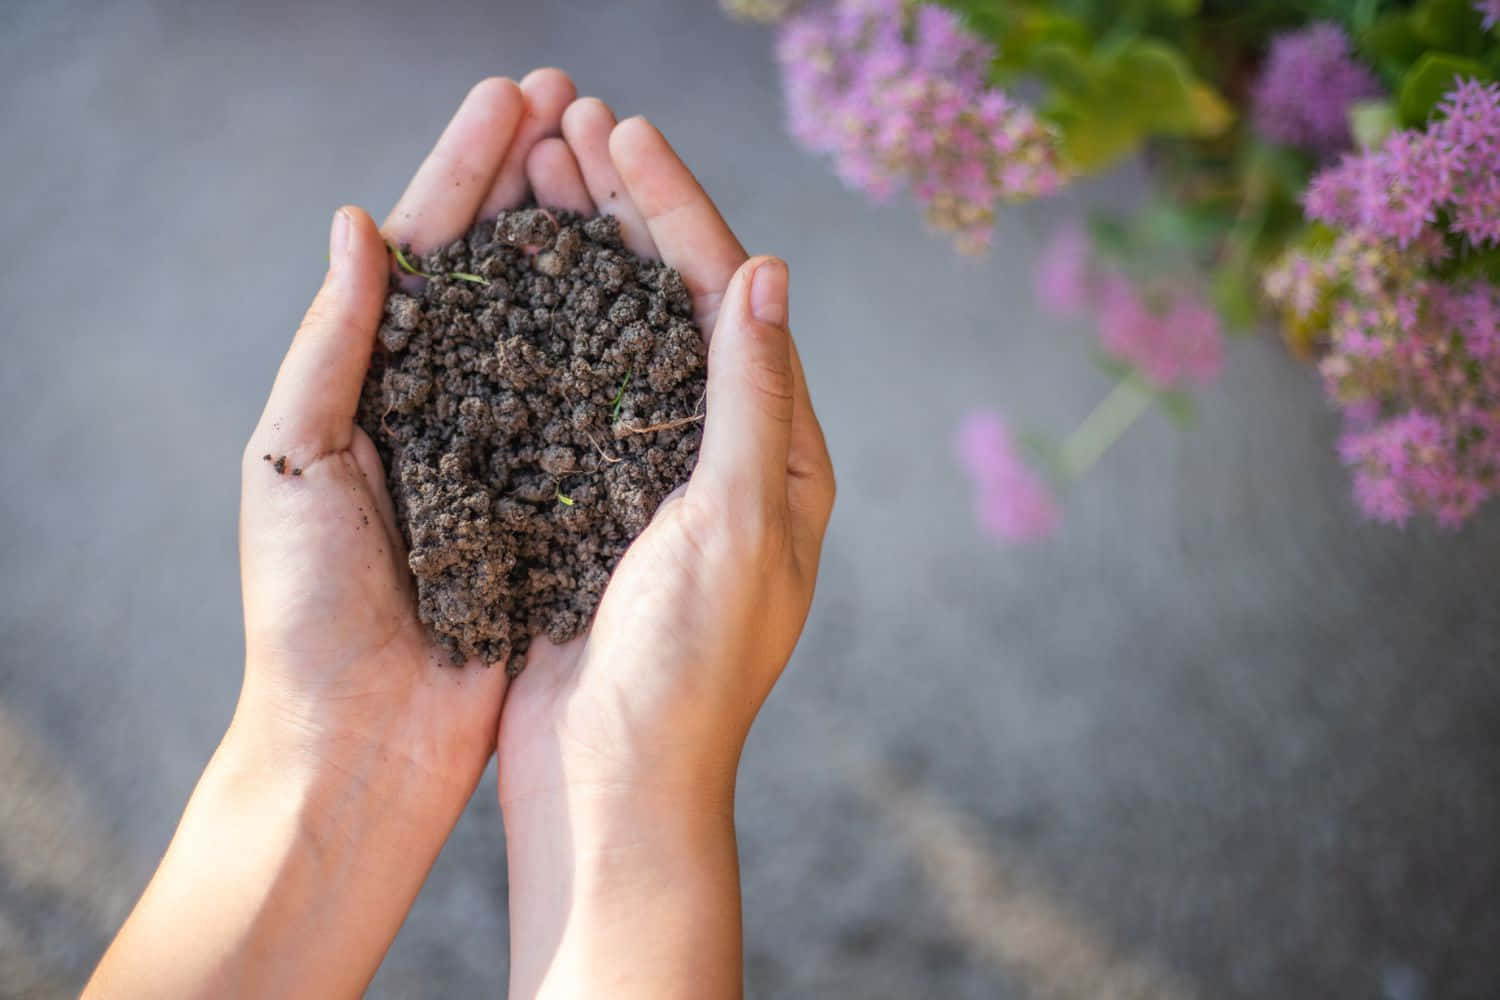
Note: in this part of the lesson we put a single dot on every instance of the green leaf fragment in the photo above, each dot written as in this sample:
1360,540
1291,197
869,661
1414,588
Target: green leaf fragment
1425,85
619,400
405,264
466,276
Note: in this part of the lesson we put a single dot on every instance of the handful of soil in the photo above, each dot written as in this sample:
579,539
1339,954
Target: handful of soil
533,404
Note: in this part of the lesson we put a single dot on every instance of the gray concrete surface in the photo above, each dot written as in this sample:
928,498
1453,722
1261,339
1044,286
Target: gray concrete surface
1221,740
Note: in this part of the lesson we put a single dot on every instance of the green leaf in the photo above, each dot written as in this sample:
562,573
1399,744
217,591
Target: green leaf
1180,407
473,279
1017,30
1391,44
1092,140
1429,80
1450,25
1110,102
1470,263
1154,81
1062,64
1235,296
1179,8
1371,121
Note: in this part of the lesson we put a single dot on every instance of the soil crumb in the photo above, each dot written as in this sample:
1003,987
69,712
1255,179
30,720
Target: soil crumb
533,402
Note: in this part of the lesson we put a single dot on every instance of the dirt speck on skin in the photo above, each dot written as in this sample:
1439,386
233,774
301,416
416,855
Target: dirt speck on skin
531,414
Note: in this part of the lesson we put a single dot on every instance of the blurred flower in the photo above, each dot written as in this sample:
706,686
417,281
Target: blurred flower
1490,11
1168,334
1176,340
895,92
764,11
1011,501
1064,278
1303,94
1413,354
1449,171
1411,362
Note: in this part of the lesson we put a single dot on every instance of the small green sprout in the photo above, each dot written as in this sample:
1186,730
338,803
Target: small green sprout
562,498
405,264
619,400
466,276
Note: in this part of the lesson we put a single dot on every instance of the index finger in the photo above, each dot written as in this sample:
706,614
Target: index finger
444,196
686,227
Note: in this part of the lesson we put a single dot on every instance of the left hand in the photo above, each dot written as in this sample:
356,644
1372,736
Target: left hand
354,748
342,681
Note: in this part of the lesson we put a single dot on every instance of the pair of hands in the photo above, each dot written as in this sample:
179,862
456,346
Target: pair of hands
642,719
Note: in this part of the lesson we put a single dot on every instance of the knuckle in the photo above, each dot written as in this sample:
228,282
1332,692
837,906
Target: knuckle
829,488
745,529
320,315
769,376
757,534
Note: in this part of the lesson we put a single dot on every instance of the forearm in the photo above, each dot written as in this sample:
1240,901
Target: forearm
284,878
614,894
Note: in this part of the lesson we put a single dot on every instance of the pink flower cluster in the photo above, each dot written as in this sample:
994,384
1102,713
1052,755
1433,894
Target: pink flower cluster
1169,334
896,92
1412,361
1413,358
1303,94
1448,171
1011,501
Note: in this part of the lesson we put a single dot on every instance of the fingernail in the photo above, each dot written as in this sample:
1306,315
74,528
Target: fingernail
338,237
768,292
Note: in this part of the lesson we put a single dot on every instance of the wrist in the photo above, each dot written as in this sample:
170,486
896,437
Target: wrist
349,757
287,882
636,881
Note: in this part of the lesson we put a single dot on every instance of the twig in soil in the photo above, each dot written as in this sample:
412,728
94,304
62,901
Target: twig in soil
611,459
665,426
619,400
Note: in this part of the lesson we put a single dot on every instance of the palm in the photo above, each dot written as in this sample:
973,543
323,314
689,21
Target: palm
330,611
331,621
589,696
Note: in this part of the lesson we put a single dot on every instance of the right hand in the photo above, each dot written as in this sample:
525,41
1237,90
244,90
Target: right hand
707,604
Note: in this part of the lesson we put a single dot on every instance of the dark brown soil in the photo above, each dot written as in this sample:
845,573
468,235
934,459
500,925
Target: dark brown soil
533,404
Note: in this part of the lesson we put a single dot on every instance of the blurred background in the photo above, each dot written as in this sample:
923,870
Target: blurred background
1222,739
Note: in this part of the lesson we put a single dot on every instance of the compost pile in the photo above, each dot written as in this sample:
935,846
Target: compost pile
533,401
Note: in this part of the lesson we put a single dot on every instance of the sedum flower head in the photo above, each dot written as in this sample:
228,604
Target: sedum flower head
896,93
1447,174
1414,363
1012,502
1165,331
1306,86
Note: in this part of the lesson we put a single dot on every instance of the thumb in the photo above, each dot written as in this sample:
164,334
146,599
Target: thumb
312,405
747,429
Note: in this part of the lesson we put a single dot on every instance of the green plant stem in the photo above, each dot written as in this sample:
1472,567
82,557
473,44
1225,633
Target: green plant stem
1102,428
619,400
405,264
